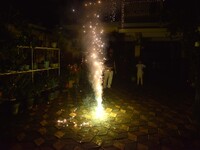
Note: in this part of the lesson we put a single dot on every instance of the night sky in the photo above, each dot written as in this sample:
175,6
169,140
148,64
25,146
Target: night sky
55,12
44,12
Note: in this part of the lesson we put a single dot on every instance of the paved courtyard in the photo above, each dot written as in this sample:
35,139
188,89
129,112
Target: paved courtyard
137,118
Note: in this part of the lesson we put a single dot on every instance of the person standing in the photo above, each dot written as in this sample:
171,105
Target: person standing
109,69
73,82
140,72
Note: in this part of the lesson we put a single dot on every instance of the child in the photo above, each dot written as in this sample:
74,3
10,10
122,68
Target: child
140,66
72,85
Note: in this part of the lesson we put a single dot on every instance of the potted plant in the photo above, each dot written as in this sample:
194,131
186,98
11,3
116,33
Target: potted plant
52,85
12,103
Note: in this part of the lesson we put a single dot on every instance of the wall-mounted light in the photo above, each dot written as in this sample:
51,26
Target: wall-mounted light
196,44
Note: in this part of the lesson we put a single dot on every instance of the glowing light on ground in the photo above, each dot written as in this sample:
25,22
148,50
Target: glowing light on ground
100,112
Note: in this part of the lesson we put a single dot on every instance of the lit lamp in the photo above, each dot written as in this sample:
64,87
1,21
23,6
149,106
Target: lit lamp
137,50
196,44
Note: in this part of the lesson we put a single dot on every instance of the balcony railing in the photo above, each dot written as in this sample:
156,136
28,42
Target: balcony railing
138,10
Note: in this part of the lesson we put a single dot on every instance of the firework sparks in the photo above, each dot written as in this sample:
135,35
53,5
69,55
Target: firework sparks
93,34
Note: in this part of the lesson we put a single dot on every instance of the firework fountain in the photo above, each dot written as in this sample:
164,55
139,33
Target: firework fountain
94,45
93,41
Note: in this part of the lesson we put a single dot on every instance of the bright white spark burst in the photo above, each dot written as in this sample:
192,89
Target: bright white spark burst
95,55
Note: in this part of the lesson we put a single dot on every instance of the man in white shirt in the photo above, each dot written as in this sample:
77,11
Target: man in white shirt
109,69
140,66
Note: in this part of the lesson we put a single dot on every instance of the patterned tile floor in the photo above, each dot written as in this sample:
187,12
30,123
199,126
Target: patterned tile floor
136,119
